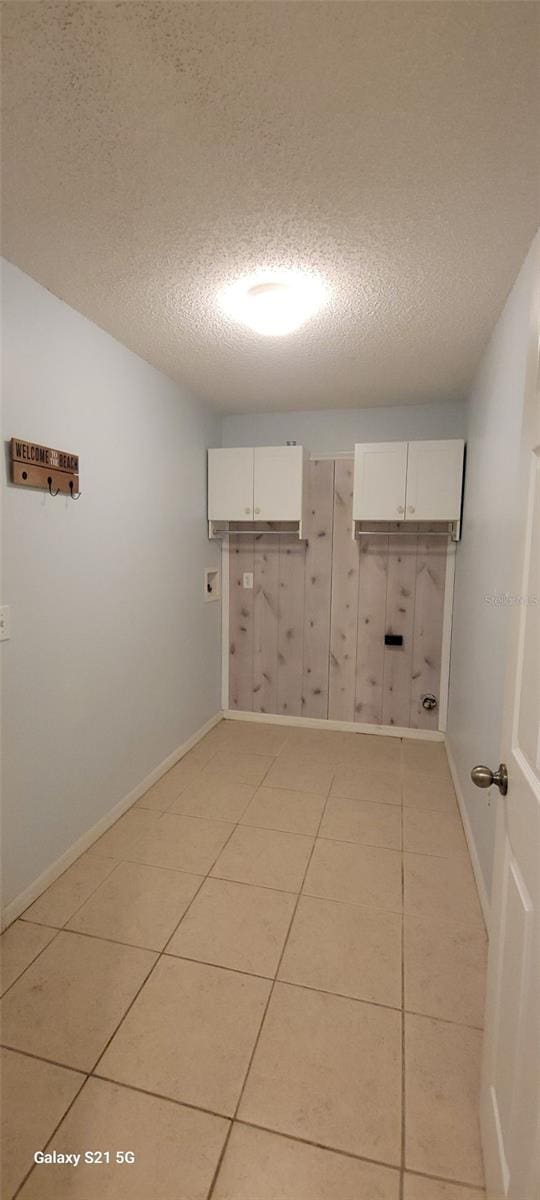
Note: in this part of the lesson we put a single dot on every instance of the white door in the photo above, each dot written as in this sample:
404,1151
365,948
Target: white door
230,484
434,479
278,483
380,474
510,1102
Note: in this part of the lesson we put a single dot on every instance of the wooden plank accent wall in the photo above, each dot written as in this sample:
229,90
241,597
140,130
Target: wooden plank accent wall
318,588
265,622
370,648
344,611
308,640
399,619
428,626
240,625
292,557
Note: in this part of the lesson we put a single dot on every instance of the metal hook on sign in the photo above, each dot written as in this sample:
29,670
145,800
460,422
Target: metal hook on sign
73,496
49,481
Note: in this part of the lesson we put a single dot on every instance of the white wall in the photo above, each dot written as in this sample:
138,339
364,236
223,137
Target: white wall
114,658
330,431
485,558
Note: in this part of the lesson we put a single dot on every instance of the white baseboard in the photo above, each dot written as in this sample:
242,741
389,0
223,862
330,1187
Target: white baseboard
473,853
31,893
426,735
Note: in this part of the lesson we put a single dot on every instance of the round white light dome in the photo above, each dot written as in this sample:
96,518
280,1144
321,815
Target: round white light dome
273,303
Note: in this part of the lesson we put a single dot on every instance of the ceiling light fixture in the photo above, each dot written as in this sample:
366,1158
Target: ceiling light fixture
273,303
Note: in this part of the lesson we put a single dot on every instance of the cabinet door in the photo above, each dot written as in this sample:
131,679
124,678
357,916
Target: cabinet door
434,475
380,472
278,483
230,484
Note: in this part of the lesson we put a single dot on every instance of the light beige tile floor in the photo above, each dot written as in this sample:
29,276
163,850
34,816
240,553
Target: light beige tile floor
235,925
328,1069
66,894
288,811
228,983
438,833
66,1005
265,857
358,874
445,968
266,1166
215,798
345,949
35,1096
176,1148
442,1065
429,793
376,786
181,843
21,944
418,1187
189,1035
137,905
362,821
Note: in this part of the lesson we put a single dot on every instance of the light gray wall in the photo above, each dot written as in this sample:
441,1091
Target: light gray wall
484,559
329,431
114,658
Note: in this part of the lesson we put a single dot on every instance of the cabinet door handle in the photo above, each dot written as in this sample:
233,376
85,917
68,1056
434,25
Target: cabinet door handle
412,508
247,510
257,510
400,508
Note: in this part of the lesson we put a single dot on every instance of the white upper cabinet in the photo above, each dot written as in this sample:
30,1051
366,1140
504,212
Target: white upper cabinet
408,481
380,481
434,477
230,484
278,481
264,483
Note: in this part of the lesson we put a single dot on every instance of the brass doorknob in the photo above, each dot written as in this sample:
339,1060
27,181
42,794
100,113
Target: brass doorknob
484,777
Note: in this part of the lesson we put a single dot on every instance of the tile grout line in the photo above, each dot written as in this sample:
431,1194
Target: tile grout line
31,920
137,862
52,1062
129,1087
378,1162
304,987
135,807
50,1138
270,994
237,824
46,924
33,960
160,953
443,921
164,952
62,928
460,858
91,1073
279,1133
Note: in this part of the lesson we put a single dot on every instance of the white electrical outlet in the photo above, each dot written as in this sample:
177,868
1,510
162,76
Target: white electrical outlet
5,624
248,579
212,588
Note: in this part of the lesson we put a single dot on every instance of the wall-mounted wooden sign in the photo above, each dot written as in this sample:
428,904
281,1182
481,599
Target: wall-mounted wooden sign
38,466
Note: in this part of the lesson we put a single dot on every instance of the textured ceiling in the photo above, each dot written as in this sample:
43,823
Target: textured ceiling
153,152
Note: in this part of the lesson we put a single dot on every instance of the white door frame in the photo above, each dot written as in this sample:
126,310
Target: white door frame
510,1095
